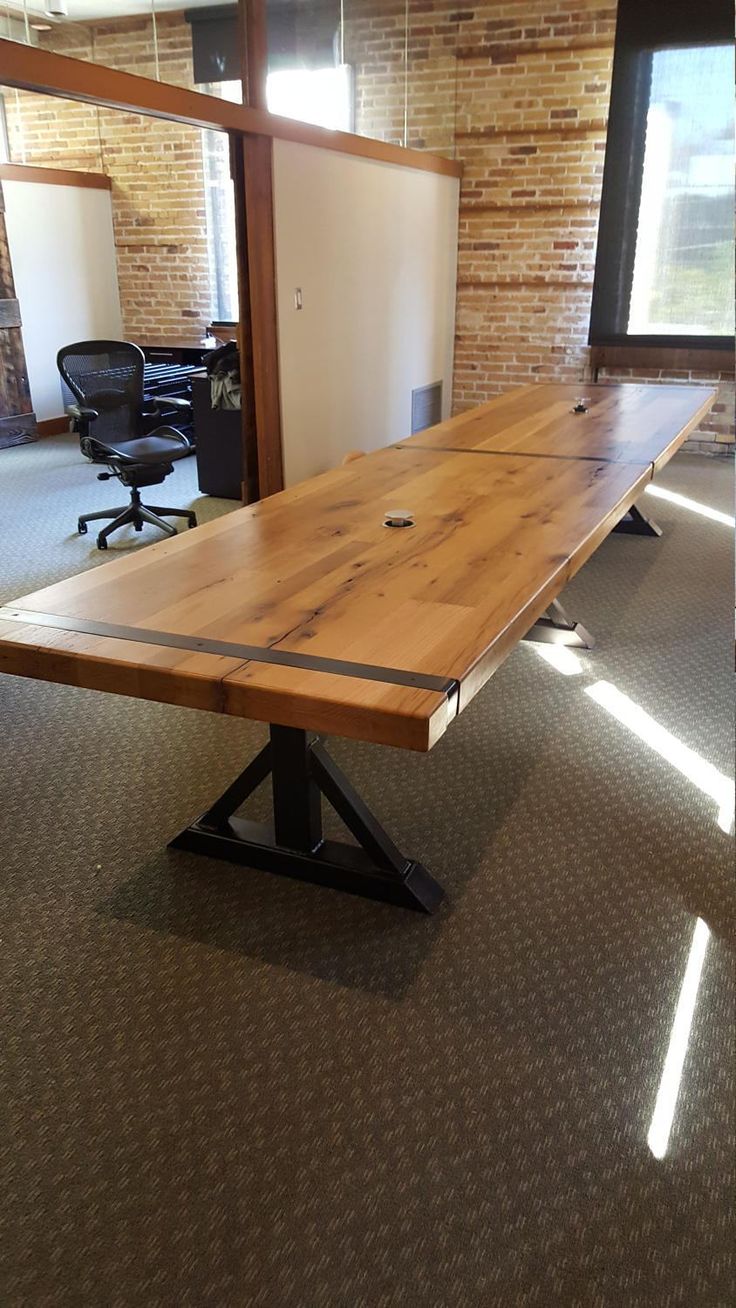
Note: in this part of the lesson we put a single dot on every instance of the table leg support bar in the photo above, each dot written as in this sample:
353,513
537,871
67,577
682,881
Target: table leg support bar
302,772
557,628
635,523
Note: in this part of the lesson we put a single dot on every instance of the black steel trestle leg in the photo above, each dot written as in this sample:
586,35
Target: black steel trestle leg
556,628
293,845
635,523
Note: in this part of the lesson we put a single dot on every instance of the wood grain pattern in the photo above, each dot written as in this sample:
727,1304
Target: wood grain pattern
116,666
625,423
313,570
243,332
259,257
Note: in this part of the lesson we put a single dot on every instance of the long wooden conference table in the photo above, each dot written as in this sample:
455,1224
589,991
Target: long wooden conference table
308,612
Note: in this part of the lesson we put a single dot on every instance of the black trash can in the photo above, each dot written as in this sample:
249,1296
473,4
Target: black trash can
218,433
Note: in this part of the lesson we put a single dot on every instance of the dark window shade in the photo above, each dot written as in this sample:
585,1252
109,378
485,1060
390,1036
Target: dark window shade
300,35
665,245
215,53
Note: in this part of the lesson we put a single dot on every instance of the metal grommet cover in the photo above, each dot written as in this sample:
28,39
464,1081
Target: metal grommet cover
398,518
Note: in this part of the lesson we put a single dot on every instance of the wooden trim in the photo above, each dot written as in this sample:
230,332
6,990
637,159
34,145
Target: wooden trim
668,358
52,426
257,175
364,147
33,69
249,483
254,37
53,176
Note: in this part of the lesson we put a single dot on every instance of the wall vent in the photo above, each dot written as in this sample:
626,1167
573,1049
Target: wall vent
426,406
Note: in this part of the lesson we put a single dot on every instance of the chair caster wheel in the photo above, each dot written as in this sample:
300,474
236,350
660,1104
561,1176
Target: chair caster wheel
82,528
101,543
192,524
139,526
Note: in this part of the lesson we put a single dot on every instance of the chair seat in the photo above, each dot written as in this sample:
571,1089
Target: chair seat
165,443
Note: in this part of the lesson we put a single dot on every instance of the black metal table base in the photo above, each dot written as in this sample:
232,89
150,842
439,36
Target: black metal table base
635,523
556,628
293,844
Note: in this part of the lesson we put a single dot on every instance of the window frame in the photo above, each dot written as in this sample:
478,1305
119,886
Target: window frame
643,27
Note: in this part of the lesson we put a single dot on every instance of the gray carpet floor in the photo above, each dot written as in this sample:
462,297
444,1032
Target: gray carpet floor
224,1088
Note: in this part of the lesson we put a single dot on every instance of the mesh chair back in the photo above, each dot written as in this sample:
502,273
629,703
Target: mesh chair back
106,376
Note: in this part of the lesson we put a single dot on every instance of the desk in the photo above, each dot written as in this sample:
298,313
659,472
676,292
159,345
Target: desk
306,612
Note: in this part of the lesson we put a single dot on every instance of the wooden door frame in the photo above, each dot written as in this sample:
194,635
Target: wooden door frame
252,169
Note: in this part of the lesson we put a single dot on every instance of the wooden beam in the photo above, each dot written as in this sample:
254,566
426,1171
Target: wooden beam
250,489
257,152
53,176
33,69
255,44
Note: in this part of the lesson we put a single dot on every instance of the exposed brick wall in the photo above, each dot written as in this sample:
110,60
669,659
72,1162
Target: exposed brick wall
156,169
518,91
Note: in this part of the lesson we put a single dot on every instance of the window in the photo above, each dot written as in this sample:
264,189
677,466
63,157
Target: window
665,266
220,212
4,142
323,96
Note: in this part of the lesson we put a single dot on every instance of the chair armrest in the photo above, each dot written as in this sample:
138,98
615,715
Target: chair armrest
81,411
171,402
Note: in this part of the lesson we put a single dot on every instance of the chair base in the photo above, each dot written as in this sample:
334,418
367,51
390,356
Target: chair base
136,514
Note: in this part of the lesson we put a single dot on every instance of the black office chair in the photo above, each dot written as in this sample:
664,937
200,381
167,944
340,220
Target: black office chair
113,422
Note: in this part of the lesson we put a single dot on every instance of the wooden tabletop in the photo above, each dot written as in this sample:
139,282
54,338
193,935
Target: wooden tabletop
384,634
624,423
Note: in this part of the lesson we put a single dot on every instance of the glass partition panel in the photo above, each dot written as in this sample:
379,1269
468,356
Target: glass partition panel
198,46
374,67
181,42
375,45
431,79
48,132
308,78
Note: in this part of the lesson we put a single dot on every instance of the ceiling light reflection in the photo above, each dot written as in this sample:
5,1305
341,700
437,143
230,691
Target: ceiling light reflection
695,506
669,1086
703,774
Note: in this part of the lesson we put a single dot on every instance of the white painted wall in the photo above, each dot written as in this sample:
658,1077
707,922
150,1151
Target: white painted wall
63,254
373,247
